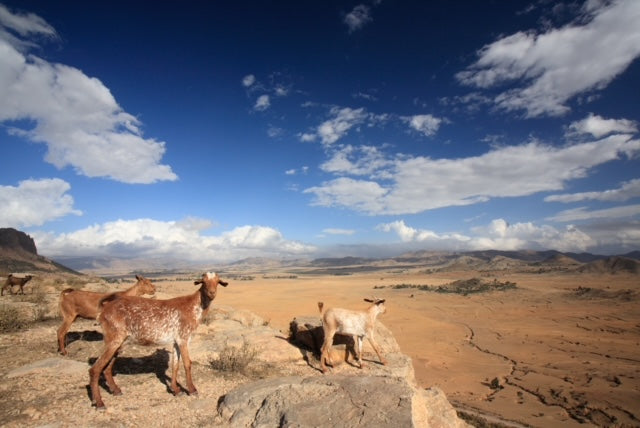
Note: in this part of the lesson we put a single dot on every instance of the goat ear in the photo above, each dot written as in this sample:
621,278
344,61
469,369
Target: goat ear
197,282
379,302
138,277
368,300
223,283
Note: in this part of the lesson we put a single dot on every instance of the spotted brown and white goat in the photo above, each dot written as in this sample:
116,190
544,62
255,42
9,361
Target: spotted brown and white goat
85,304
15,280
359,324
152,322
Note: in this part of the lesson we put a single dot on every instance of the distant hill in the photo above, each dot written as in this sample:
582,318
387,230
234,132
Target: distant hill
341,261
18,253
612,265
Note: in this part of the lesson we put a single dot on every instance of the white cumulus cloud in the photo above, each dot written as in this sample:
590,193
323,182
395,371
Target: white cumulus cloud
183,240
550,68
497,235
35,202
75,115
424,123
598,127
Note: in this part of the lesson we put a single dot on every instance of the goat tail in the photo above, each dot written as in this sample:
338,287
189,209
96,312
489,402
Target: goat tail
320,306
107,299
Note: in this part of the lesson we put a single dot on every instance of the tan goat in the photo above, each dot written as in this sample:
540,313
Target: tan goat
359,324
152,322
14,280
85,304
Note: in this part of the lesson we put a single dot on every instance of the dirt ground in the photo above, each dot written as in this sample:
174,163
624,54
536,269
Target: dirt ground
558,350
548,353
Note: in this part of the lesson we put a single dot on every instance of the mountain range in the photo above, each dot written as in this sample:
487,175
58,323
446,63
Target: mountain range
18,253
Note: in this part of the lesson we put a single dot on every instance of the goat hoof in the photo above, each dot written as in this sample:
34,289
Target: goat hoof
194,392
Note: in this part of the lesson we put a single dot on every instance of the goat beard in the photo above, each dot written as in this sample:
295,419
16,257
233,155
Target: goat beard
206,297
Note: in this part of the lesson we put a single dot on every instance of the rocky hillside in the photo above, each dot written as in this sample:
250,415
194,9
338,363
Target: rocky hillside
18,253
247,374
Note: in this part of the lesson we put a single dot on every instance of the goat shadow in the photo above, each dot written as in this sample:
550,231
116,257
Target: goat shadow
86,335
156,363
310,340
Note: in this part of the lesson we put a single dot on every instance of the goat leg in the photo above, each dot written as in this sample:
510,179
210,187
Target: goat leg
186,360
175,362
108,376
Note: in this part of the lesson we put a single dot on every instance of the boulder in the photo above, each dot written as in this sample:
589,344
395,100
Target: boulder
336,401
228,328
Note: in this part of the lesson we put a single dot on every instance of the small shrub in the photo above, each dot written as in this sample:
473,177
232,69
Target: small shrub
12,320
235,360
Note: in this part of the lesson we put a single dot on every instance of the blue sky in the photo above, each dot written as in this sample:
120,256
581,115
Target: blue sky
210,131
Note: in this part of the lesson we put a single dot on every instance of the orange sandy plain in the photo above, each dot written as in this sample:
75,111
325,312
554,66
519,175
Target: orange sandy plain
541,354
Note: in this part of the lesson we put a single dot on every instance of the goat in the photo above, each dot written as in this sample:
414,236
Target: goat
14,280
359,324
85,304
152,322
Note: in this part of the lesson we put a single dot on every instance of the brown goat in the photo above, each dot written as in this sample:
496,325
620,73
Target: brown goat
359,324
86,304
152,322
14,280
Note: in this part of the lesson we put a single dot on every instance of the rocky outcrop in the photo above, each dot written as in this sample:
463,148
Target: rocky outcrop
230,328
295,392
377,395
12,239
337,401
19,255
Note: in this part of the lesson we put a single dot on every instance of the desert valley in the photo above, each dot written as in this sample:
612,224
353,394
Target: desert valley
513,339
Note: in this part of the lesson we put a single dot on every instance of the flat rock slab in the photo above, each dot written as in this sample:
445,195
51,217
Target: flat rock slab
328,401
53,366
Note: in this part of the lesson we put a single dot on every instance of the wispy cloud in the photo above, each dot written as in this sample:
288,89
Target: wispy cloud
413,184
335,231
356,160
25,25
358,17
248,80
35,202
341,121
75,115
628,190
262,103
550,68
598,127
583,213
